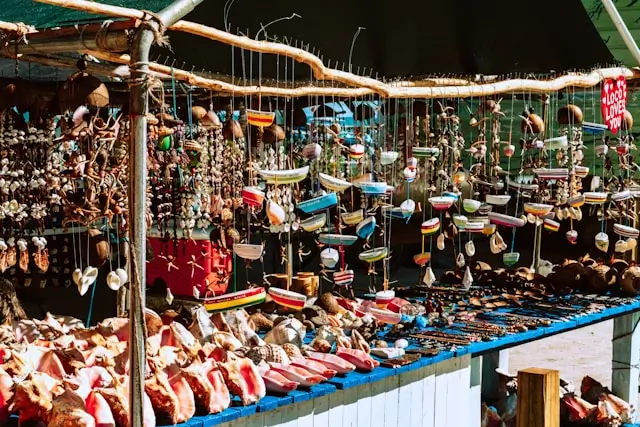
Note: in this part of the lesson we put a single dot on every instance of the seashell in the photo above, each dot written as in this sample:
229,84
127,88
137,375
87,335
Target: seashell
572,236
327,301
467,279
90,274
470,248
358,342
595,182
269,353
380,344
602,241
261,322
440,241
631,243
429,278
290,330
292,350
169,297
77,276
321,345
509,150
621,246
627,123
531,218
630,280
559,214
401,343
114,283
460,260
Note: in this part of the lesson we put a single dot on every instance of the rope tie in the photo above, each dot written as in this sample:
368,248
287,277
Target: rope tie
161,39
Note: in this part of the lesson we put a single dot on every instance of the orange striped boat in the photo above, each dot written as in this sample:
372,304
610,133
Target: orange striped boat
287,298
260,118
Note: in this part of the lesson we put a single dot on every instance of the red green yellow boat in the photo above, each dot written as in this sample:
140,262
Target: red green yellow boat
235,300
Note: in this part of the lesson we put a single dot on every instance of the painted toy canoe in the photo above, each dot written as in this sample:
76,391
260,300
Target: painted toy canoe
497,199
460,221
319,203
366,227
356,151
423,152
422,258
625,231
384,297
352,218
260,118
287,176
551,225
510,258
252,196
373,188
332,183
577,201
505,220
474,226
594,128
581,171
333,239
385,316
314,223
235,300
287,298
621,196
471,205
373,255
537,209
556,143
595,197
343,278
430,227
552,173
248,251
521,186
388,157
441,203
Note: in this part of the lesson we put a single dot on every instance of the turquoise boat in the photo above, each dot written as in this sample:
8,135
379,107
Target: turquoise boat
319,203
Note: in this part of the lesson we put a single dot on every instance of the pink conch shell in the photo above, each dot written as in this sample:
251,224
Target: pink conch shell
314,367
243,379
331,361
278,383
359,358
297,374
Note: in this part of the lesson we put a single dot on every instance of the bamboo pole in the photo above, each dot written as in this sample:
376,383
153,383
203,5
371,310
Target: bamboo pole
323,73
580,80
17,27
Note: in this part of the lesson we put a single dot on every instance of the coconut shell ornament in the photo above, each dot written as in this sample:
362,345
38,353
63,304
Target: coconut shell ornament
627,122
273,134
570,114
83,89
531,122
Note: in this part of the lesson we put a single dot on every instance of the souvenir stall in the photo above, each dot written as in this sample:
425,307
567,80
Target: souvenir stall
191,185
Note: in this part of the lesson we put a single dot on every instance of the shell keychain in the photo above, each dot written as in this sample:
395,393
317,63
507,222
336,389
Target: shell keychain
41,256
24,255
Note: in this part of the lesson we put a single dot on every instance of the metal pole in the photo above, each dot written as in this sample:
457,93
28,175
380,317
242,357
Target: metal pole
625,35
137,196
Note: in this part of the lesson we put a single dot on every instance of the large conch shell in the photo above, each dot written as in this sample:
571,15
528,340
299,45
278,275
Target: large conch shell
440,241
429,278
470,248
275,213
602,241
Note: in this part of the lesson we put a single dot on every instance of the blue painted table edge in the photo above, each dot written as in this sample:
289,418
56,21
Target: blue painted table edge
356,379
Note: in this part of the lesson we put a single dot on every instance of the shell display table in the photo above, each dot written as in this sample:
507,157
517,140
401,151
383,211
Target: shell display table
442,391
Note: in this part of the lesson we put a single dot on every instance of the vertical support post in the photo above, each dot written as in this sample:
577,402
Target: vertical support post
538,398
139,97
626,357
490,380
625,35
475,393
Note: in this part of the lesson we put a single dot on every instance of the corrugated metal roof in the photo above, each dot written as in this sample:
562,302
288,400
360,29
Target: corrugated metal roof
630,13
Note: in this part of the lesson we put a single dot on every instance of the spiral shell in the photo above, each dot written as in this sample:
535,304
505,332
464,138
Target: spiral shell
269,353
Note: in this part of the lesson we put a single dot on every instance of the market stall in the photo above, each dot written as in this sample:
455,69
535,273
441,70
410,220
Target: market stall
185,187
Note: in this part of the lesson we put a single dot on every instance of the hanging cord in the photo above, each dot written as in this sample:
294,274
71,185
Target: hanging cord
94,286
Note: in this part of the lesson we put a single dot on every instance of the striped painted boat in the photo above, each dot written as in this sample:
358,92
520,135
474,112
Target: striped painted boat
275,213
383,298
287,176
497,199
332,183
484,209
581,171
333,239
454,196
460,221
311,151
577,201
343,278
471,205
430,227
551,225
441,203
373,188
366,227
374,255
388,157
593,128
314,223
287,298
235,300
319,203
423,152
422,258
408,207
248,251
505,220
621,196
474,227
537,209
352,218
625,231
556,143
356,151
552,173
595,197
260,118
252,196
510,258
521,186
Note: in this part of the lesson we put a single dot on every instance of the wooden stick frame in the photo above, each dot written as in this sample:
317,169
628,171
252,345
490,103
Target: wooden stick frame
363,85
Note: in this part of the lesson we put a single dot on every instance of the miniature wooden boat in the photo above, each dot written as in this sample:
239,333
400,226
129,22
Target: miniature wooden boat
452,195
235,300
471,205
537,209
343,278
552,173
577,201
551,225
510,258
521,186
593,128
505,220
332,183
356,151
287,176
474,226
430,227
314,223
337,239
373,188
408,207
287,298
484,209
422,258
621,196
556,143
595,197
383,298
497,199
260,118
460,221
352,218
625,231
374,255
487,229
385,316
441,203
317,204
388,157
252,196
366,227
423,152
248,251
581,171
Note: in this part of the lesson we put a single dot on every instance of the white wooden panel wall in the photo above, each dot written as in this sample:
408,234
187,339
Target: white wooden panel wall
443,395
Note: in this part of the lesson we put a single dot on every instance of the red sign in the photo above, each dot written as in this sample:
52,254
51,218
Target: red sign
614,102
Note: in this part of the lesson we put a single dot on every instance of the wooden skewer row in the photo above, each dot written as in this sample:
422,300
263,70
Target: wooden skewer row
444,339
